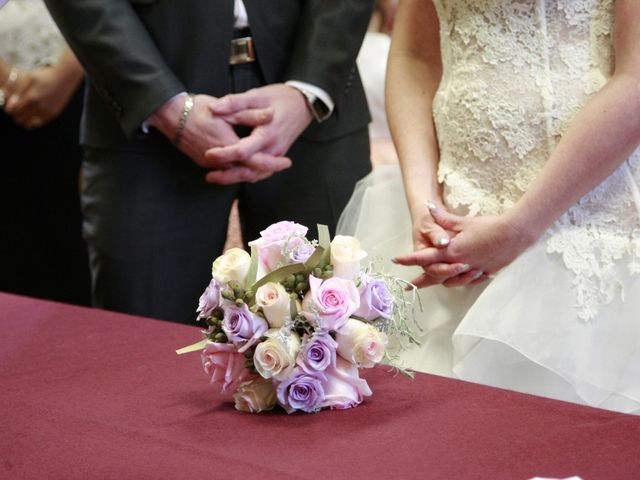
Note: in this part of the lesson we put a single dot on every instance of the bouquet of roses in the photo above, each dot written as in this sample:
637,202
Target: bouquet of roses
291,323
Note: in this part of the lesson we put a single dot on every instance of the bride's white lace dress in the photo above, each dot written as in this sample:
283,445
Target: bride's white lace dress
563,320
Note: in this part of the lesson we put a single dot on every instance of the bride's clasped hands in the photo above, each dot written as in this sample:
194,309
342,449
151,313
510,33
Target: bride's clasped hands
457,250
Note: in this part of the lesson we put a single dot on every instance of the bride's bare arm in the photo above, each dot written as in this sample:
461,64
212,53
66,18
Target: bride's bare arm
599,139
413,74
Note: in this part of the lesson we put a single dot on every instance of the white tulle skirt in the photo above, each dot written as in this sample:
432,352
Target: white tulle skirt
518,331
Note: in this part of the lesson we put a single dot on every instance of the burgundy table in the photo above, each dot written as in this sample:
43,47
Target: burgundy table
89,394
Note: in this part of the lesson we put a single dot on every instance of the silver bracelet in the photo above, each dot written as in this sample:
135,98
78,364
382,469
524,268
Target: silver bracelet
186,110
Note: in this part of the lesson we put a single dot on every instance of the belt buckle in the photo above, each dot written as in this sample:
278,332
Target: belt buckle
242,51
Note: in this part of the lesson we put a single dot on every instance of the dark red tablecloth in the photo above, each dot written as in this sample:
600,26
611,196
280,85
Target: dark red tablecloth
88,394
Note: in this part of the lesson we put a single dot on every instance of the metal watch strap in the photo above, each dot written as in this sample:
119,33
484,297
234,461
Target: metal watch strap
313,103
186,110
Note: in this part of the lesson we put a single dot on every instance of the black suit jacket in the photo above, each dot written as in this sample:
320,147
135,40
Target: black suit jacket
140,53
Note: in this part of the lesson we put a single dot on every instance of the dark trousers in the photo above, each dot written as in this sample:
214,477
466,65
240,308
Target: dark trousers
154,225
42,253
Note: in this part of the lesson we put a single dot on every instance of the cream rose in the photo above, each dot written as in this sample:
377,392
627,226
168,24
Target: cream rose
361,343
275,303
346,255
276,356
255,396
232,265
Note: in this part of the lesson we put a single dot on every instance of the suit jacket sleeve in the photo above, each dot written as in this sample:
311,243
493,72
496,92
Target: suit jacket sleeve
329,38
119,56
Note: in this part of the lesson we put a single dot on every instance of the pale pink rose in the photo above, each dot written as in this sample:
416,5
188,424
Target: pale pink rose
275,303
343,387
273,245
255,396
282,231
329,303
224,365
276,356
346,256
361,343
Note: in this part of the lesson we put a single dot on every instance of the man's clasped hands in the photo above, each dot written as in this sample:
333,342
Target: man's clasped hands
277,114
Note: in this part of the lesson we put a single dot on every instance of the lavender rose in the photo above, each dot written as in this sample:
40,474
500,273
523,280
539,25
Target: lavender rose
318,353
302,391
329,303
243,327
300,250
209,300
375,299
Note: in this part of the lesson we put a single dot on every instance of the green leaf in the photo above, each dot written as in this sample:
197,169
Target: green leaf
293,309
277,276
314,259
324,241
192,348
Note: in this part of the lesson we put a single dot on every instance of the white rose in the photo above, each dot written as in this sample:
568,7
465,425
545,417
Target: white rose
346,255
275,303
361,343
232,265
255,396
276,356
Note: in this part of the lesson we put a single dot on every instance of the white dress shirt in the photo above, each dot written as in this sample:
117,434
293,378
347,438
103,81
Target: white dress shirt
241,20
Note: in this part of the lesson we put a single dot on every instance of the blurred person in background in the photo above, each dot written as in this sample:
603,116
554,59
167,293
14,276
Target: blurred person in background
372,63
42,253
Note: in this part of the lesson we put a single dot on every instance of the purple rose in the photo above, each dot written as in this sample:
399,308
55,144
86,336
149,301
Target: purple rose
318,353
243,327
375,299
302,391
209,300
328,304
300,250
343,386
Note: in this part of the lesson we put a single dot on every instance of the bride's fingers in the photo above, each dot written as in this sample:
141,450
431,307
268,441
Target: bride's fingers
446,220
425,280
445,271
472,276
437,237
423,257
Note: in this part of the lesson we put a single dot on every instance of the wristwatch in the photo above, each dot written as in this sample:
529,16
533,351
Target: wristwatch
318,108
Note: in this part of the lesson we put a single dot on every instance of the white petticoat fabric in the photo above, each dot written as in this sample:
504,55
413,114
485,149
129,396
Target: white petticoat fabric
520,330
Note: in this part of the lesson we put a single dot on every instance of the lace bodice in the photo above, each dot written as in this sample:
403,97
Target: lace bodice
28,36
515,72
